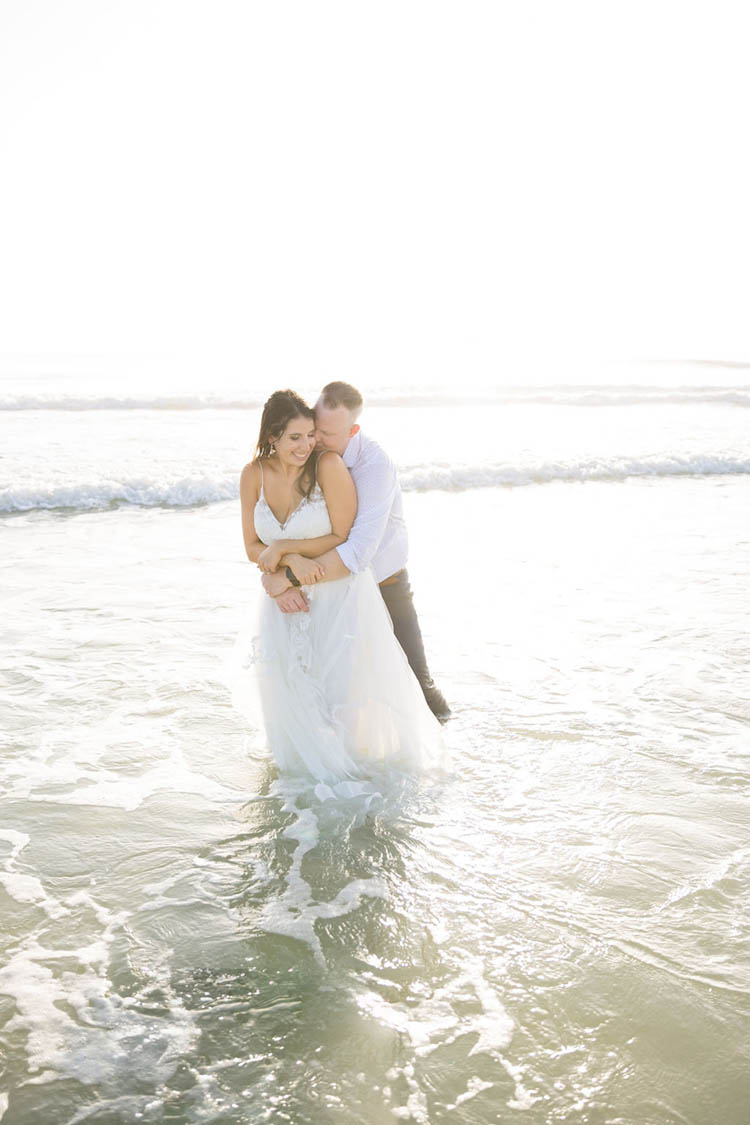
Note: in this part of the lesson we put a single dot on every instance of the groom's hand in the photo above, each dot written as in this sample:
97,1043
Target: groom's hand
292,601
276,583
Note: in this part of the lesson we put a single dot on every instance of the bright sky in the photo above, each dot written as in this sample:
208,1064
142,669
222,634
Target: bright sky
424,189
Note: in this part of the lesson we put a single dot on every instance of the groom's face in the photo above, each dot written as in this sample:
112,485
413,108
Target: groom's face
334,426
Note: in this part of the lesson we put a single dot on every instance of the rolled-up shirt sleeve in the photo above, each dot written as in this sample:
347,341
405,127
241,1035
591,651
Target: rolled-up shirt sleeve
376,492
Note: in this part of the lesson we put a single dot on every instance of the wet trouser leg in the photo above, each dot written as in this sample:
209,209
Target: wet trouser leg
399,602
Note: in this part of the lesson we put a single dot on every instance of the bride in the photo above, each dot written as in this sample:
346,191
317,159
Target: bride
337,694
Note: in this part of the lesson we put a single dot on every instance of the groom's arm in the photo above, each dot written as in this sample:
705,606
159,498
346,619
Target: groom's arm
377,488
341,501
375,495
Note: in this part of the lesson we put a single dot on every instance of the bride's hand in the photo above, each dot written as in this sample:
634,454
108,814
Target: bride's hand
306,571
269,559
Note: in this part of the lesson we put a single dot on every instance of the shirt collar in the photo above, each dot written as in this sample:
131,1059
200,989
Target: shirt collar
353,450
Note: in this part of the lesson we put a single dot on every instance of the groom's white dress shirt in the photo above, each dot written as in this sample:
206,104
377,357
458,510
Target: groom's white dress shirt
378,536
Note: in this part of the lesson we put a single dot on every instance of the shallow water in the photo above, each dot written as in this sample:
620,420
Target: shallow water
555,930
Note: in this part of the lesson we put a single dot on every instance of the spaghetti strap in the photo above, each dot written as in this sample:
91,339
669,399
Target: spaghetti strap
260,465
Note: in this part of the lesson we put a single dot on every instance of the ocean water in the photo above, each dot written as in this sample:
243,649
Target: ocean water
556,929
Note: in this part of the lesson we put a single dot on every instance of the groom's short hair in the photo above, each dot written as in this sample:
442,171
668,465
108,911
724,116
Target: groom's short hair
342,394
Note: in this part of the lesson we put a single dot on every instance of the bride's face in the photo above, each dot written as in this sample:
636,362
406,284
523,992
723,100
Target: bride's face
297,442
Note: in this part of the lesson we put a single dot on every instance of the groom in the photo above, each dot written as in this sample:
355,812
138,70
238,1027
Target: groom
378,536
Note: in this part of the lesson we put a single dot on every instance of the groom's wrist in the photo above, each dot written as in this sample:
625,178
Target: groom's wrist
292,576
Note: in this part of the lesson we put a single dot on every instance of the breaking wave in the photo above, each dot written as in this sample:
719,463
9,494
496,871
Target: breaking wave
192,491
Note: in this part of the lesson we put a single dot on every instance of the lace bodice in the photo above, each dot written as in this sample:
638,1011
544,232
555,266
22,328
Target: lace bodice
308,520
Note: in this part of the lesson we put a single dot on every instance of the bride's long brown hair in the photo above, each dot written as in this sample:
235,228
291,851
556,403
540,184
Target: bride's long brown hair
278,412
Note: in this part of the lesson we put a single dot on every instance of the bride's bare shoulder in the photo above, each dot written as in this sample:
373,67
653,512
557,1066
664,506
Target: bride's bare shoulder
335,480
330,463
250,479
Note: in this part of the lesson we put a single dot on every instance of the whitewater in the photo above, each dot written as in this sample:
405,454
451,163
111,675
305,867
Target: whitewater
191,490
556,930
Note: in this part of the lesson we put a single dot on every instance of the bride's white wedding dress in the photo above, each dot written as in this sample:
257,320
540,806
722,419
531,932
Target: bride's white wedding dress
338,697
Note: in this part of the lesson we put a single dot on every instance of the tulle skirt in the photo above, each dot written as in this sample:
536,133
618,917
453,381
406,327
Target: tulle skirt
333,688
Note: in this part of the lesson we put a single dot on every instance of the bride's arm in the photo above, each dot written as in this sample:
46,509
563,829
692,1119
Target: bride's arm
249,493
341,501
278,553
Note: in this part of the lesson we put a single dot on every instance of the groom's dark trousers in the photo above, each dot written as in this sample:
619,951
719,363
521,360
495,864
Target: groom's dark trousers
397,596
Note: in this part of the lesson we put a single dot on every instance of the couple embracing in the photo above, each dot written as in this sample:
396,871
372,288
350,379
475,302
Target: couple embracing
337,654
